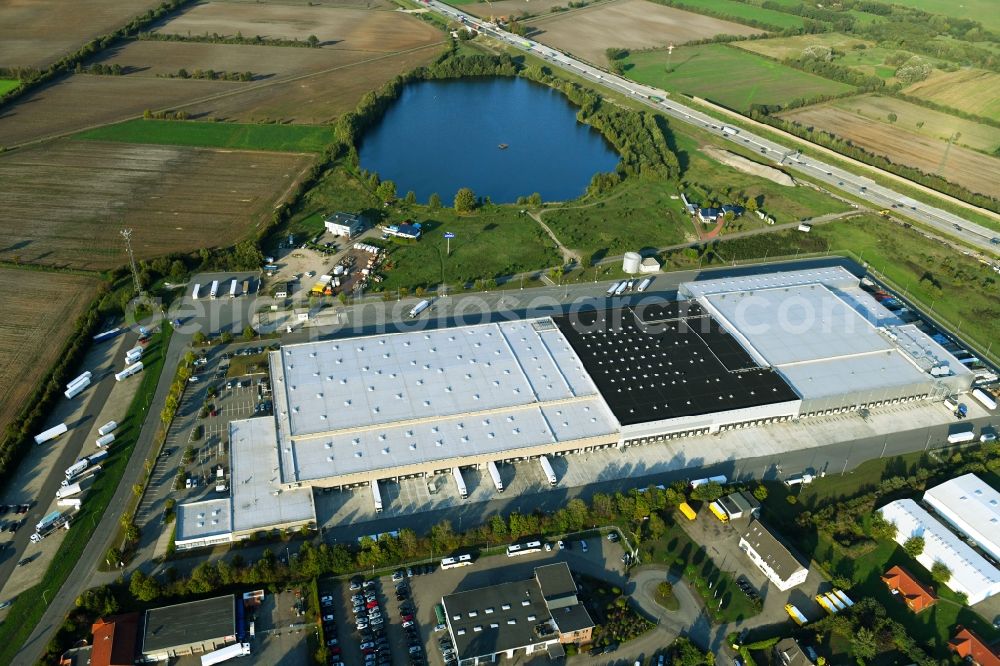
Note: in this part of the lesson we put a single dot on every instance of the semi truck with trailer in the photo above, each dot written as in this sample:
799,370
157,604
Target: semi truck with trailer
82,476
232,289
133,355
377,496
984,399
460,482
612,289
495,475
108,427
213,293
418,308
107,335
731,131
76,389
133,369
68,491
644,285
50,524
51,433
550,473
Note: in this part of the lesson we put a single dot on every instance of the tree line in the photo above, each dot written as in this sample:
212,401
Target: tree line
310,42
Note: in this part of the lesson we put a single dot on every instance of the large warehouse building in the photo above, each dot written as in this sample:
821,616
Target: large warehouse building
730,353
972,506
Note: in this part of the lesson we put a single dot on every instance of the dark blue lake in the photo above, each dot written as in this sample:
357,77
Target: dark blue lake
440,136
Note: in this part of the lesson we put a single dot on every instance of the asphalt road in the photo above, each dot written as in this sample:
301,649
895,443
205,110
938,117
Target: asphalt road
859,186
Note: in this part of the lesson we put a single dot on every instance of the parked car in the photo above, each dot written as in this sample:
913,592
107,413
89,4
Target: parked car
368,644
612,536
562,546
583,546
408,623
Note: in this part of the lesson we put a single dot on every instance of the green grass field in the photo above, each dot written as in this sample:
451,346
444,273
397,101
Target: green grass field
239,136
738,10
729,76
6,85
984,11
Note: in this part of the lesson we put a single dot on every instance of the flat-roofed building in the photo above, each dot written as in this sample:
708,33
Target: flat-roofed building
772,557
740,505
789,653
189,628
972,506
971,574
346,225
523,617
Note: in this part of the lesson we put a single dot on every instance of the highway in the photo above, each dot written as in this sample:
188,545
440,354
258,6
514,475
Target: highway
881,197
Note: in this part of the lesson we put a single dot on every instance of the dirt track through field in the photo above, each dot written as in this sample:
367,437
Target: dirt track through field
962,166
65,201
632,24
39,312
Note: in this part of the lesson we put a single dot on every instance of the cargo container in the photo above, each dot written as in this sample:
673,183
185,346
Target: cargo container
104,440
825,603
214,291
51,433
612,289
984,399
644,285
377,496
495,475
795,614
76,389
84,377
718,512
107,335
135,368
418,308
68,491
197,292
844,598
960,437
110,426
460,482
550,473
688,512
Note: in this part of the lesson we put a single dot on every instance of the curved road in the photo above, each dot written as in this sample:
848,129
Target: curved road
858,186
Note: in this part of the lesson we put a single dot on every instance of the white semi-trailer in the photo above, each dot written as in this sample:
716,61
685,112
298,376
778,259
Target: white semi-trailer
232,289
418,308
644,285
76,389
460,482
74,502
133,355
84,377
105,440
197,292
550,473
214,291
495,475
77,468
133,369
108,427
984,398
51,433
377,496
87,473
961,437
68,491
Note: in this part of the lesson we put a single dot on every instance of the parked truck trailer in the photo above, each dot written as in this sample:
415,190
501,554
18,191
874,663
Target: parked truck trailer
133,369
87,376
984,399
463,491
68,491
377,496
495,475
108,427
418,308
51,433
550,473
105,440
76,389
961,437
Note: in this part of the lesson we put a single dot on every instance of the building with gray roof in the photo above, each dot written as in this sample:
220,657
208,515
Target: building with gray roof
772,557
534,615
188,628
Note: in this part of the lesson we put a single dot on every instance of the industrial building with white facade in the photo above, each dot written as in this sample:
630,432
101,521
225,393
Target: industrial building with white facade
729,353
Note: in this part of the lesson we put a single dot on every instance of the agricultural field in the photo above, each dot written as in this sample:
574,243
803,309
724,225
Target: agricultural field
729,76
632,24
974,171
984,11
239,136
926,122
482,9
337,28
37,33
315,99
973,91
736,11
65,201
82,101
859,54
148,59
39,311
6,85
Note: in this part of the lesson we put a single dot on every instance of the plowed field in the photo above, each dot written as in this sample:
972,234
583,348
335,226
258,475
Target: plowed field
65,202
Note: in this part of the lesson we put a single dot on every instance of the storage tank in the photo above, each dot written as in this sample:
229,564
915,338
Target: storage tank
631,263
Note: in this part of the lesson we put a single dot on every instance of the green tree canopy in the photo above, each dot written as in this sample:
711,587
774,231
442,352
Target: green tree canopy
465,200
914,546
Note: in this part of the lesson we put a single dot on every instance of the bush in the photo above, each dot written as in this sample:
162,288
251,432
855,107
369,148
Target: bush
914,546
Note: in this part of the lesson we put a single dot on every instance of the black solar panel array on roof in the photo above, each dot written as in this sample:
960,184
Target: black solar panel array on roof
668,362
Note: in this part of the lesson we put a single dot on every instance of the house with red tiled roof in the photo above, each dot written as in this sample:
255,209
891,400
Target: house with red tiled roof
916,595
114,640
972,648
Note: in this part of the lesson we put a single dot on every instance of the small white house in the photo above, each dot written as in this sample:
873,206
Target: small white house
346,225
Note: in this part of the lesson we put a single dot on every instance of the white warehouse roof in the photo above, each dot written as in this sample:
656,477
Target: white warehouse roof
384,401
972,506
971,574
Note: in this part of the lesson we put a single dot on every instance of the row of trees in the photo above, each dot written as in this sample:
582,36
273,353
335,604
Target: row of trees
210,74
215,38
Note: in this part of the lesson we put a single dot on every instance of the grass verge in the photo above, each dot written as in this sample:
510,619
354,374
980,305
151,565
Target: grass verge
241,136
31,604
6,85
